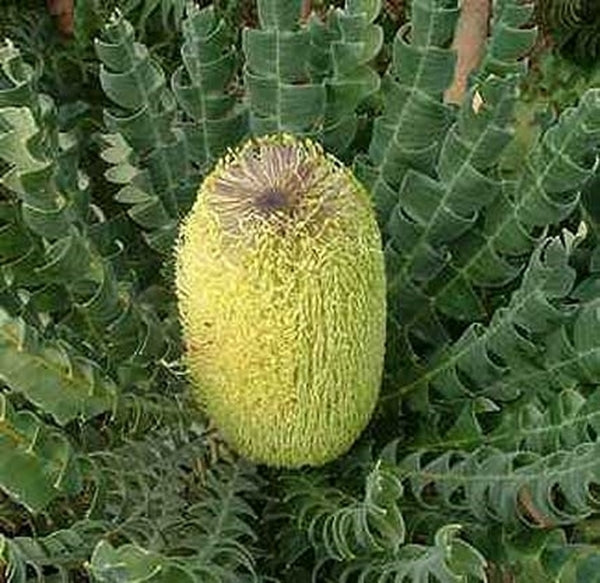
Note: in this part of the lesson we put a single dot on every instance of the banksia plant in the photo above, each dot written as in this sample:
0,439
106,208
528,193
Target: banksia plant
277,307
281,287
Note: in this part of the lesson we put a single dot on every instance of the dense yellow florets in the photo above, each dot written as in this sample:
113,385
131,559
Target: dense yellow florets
281,291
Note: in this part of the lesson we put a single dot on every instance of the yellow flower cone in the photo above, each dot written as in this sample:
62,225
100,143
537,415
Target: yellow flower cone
281,288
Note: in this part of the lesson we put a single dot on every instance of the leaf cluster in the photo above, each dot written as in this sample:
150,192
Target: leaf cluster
574,25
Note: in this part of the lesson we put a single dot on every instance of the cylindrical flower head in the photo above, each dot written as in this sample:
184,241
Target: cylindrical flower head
281,289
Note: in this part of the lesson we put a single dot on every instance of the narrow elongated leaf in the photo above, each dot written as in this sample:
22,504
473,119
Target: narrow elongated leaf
510,38
414,121
203,87
448,560
430,213
343,47
282,96
131,564
506,487
37,463
66,386
145,121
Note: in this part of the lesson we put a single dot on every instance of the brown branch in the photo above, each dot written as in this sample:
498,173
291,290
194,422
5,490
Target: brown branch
306,9
469,44
63,11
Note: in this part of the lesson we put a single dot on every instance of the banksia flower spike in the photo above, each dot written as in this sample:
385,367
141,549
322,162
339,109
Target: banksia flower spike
281,289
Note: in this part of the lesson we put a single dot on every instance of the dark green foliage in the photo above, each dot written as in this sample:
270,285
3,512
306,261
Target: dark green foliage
367,535
511,37
481,463
574,26
409,131
148,154
203,86
484,359
150,494
344,47
282,96
37,461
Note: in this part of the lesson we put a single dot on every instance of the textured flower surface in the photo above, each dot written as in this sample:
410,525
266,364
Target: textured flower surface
281,290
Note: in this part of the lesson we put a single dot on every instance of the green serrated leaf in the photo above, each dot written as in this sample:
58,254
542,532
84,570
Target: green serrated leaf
37,463
67,387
